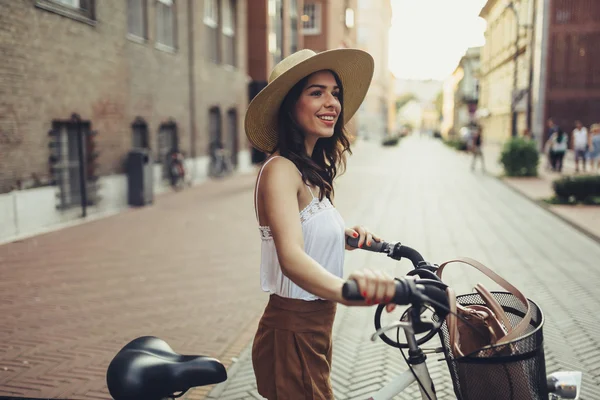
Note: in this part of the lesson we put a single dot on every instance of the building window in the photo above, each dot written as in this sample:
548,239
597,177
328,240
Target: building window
232,143
211,22
139,130
229,28
167,144
294,26
81,10
137,18
311,19
65,160
165,23
276,33
68,3
214,128
349,18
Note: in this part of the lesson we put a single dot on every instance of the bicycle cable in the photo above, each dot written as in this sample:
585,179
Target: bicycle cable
410,367
442,306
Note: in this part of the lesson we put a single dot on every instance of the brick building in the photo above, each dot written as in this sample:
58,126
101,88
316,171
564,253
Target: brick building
274,32
558,60
160,74
330,25
567,74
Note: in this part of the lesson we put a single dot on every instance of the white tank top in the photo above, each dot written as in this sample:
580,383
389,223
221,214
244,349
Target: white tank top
323,231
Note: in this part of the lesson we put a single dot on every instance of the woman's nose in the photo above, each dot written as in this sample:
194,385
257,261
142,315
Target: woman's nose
330,100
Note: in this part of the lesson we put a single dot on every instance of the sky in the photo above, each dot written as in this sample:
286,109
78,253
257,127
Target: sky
428,37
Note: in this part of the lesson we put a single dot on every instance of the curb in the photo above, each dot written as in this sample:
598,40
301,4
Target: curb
547,207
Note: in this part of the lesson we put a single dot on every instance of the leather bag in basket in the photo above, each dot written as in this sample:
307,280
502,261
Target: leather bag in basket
488,326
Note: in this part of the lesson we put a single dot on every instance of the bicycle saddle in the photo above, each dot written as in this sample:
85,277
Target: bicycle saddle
148,368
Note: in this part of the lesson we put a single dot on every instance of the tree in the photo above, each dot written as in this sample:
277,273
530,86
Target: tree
404,99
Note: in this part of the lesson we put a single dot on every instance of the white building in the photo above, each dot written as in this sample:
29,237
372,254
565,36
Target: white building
373,22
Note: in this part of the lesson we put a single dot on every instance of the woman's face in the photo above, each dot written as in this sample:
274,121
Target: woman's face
318,107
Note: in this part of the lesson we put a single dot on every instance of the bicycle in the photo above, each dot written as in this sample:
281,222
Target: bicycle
220,163
147,368
176,170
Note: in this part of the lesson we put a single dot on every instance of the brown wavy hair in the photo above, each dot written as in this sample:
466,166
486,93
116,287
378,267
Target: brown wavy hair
329,155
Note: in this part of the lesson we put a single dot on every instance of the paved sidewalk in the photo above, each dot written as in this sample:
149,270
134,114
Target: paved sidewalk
583,217
425,195
183,269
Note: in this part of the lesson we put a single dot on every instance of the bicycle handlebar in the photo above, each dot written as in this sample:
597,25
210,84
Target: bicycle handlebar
403,295
408,291
396,251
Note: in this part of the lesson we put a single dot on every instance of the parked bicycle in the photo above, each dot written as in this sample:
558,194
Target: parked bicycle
220,161
176,169
147,368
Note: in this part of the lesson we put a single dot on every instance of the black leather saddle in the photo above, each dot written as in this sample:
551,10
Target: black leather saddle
147,368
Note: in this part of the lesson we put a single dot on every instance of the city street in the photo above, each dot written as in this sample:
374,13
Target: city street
187,270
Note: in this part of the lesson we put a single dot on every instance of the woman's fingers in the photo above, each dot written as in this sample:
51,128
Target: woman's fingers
362,232
375,286
369,239
351,232
381,291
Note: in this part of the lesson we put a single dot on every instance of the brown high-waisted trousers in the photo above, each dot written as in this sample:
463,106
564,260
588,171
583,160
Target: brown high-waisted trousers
291,353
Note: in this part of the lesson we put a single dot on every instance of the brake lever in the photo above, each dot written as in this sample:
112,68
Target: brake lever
407,326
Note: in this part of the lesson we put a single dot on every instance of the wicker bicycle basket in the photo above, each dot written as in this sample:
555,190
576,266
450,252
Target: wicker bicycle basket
511,371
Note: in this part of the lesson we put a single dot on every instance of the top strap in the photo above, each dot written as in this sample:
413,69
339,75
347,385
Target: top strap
258,183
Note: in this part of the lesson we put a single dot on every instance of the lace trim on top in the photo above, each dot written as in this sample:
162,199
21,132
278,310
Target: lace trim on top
313,208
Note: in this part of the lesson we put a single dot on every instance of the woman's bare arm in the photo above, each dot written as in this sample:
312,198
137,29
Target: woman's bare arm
278,198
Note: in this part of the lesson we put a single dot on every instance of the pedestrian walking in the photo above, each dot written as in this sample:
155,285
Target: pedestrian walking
298,119
558,144
475,146
580,144
553,128
594,147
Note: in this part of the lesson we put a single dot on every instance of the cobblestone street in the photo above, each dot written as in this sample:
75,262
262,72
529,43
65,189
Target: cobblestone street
186,270
427,197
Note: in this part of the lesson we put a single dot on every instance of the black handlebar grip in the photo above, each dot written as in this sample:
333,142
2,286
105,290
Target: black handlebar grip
350,291
402,296
375,246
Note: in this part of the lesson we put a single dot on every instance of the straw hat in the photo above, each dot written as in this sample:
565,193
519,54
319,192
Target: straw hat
354,68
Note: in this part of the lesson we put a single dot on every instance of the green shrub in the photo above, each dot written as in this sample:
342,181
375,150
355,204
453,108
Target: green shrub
585,188
520,157
391,141
456,143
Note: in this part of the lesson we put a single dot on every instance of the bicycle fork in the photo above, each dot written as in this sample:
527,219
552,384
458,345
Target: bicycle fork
416,359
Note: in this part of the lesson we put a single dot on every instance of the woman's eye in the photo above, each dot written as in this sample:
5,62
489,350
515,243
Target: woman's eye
336,94
316,93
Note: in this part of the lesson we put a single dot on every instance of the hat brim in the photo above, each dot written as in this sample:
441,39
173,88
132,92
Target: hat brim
354,68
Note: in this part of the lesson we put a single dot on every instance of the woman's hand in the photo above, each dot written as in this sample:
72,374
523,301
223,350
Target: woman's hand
363,235
376,287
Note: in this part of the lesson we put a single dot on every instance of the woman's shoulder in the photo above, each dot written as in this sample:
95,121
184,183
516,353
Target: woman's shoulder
279,170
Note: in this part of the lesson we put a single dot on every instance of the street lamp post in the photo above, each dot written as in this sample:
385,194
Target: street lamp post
513,103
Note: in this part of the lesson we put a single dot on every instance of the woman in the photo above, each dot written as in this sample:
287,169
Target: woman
594,146
558,144
298,118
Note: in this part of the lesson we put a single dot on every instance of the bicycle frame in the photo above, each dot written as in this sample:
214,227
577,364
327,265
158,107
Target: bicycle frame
404,380
416,360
